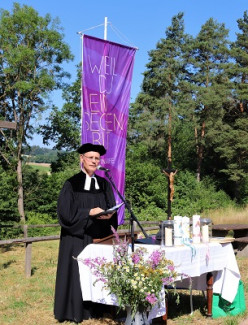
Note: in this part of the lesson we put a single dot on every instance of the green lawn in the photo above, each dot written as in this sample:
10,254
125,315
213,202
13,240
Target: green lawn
29,301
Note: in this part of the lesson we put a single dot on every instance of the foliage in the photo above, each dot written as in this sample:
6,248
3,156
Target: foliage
206,86
146,189
34,218
66,161
157,103
63,126
30,66
192,197
135,279
8,196
39,155
42,190
200,82
32,51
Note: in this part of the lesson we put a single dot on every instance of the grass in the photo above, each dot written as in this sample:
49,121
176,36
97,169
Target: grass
228,215
41,167
29,301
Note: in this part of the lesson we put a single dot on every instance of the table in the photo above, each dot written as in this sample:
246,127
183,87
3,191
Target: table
210,259
240,233
239,230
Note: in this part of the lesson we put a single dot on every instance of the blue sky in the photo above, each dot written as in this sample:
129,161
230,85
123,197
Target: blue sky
141,22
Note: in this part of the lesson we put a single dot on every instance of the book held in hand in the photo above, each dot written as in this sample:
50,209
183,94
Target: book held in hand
110,210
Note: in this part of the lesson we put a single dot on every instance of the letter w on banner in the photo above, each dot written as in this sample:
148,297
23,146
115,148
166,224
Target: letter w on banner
106,80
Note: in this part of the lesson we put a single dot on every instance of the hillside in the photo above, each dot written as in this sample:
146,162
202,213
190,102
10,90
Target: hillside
37,154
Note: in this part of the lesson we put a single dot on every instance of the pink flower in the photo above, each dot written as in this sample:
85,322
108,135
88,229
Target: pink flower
156,258
167,281
171,268
151,298
135,258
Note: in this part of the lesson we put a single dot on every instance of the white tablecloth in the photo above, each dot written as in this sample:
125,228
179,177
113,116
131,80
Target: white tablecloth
213,257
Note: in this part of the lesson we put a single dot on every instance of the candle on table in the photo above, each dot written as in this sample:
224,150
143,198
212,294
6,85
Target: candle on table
205,234
196,229
185,229
168,236
177,230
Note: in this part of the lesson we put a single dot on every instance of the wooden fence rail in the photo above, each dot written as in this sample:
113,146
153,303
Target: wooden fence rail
27,241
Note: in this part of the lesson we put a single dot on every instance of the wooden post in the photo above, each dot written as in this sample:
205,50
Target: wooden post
28,257
28,253
210,282
165,316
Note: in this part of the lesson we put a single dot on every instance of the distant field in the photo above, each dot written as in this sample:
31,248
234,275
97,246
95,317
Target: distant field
43,167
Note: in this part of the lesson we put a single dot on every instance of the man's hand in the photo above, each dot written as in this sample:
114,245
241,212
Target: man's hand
95,211
105,216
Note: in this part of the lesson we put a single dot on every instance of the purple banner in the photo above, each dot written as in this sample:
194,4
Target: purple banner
106,80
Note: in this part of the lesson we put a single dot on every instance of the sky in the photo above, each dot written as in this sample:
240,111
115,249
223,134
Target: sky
139,23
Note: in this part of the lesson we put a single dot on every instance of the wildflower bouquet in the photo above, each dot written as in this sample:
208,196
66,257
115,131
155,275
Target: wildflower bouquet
136,279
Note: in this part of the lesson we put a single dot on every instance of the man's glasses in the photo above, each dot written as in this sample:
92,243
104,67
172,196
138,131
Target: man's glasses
91,158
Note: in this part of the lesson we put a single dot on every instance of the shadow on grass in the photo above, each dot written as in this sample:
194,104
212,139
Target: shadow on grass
183,307
33,270
9,247
7,264
175,310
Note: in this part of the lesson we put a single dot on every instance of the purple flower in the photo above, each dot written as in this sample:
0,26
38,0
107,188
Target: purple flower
168,280
156,258
151,298
135,258
117,238
137,255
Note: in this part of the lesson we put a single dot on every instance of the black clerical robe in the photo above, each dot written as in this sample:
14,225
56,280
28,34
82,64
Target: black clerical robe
77,231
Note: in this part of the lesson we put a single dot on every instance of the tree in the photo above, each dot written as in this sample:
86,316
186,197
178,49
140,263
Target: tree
231,145
156,105
212,90
63,126
32,51
156,110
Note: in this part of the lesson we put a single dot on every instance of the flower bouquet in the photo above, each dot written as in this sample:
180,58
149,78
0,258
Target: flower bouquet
136,279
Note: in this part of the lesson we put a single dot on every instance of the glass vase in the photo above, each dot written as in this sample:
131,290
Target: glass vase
140,317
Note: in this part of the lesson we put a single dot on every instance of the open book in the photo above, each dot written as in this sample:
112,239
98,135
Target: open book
110,210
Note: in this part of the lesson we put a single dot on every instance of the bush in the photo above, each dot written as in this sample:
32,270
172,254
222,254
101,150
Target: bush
192,197
147,190
8,196
34,218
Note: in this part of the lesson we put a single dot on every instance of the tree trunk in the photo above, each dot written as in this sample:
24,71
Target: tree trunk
199,150
199,162
20,191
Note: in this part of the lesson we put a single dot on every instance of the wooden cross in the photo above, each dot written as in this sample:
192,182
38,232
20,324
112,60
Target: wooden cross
170,173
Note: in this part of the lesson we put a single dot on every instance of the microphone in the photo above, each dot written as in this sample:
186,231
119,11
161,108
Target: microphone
103,168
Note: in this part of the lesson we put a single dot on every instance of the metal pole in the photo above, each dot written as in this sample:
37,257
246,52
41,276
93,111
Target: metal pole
105,28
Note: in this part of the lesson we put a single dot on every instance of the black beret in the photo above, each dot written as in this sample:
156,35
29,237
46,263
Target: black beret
86,147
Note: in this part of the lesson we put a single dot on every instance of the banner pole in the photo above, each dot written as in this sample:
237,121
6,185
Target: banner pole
82,38
105,28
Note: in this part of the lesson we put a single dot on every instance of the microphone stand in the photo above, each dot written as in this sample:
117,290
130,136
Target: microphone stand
132,216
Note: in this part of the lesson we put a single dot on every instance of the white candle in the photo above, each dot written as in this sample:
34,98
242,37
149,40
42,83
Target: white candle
205,234
177,230
185,229
196,229
168,237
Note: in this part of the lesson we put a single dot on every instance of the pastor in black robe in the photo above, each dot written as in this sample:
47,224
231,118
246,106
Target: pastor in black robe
78,230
